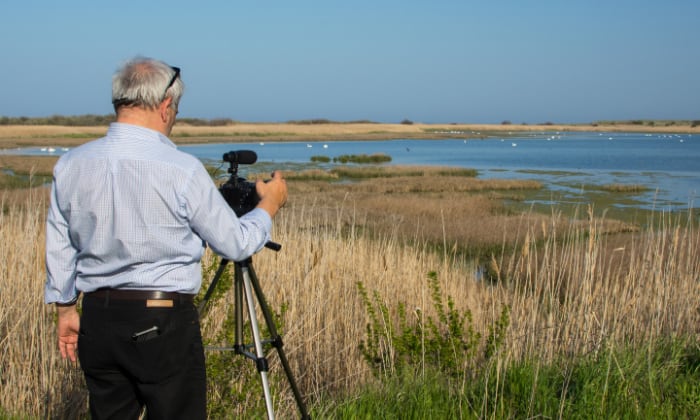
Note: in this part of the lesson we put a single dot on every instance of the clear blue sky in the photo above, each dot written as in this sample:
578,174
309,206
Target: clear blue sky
427,61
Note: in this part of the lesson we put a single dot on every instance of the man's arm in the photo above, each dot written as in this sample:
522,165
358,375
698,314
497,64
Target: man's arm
60,256
213,220
60,279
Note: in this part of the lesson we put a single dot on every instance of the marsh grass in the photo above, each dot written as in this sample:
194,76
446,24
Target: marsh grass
363,158
363,172
625,188
357,173
575,286
26,165
35,382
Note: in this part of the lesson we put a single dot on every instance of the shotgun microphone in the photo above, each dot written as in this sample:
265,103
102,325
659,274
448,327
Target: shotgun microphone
243,157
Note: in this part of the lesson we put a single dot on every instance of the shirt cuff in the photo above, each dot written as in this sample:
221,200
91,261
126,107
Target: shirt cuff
71,303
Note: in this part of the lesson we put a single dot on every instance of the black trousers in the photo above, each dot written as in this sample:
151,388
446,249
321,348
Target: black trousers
135,356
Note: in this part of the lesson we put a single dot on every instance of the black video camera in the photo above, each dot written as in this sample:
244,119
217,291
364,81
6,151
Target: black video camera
239,193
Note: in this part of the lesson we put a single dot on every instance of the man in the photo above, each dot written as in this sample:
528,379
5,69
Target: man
129,219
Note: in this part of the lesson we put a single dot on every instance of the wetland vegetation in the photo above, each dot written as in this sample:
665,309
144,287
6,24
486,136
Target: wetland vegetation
415,292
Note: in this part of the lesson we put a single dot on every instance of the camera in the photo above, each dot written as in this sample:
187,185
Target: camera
239,193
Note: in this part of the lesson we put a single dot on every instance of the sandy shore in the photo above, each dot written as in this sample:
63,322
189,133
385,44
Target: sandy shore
12,136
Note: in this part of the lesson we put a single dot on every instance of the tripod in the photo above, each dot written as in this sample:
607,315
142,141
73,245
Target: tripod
245,283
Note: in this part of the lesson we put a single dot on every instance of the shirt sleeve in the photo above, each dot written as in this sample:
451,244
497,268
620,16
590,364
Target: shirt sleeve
216,223
60,256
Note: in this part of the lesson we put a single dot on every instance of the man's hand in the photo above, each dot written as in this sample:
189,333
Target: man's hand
273,193
68,328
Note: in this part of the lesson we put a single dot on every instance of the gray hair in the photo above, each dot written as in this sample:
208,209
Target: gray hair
143,82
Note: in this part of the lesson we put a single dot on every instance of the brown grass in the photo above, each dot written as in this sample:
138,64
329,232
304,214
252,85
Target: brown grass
573,286
26,165
455,212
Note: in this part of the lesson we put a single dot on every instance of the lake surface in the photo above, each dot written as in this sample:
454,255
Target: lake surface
668,164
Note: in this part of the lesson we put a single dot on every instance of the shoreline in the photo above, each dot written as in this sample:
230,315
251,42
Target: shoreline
13,136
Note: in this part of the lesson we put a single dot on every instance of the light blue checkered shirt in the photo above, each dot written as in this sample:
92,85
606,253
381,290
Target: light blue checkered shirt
130,211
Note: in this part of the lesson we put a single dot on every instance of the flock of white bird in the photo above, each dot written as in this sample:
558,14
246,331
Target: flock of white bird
556,136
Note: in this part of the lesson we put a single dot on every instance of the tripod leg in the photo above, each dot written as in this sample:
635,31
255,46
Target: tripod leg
276,339
203,304
260,361
238,345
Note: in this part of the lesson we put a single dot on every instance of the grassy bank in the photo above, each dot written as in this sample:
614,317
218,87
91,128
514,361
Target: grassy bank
659,380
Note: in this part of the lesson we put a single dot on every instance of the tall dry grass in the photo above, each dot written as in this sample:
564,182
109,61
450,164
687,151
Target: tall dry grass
35,382
576,292
569,291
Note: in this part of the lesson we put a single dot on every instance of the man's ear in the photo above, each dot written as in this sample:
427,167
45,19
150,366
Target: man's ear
163,108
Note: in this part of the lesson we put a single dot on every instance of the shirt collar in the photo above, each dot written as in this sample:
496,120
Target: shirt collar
117,129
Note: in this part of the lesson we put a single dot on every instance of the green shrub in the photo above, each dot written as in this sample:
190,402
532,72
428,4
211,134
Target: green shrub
399,343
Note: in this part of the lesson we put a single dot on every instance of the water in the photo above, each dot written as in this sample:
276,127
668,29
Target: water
668,164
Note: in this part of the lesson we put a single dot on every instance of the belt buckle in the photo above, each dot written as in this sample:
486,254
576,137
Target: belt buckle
159,303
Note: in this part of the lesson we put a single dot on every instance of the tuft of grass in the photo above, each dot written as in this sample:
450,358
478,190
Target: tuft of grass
363,158
624,188
319,158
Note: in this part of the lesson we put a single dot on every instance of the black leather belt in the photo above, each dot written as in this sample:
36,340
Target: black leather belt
151,298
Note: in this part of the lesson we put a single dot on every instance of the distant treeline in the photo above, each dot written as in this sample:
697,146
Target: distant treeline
73,120
651,123
90,120
325,121
648,123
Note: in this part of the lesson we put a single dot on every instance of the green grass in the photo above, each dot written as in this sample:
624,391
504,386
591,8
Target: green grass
655,380
660,380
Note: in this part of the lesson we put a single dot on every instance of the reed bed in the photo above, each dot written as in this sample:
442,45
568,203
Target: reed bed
35,382
572,288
